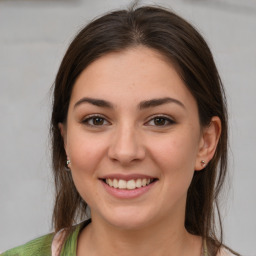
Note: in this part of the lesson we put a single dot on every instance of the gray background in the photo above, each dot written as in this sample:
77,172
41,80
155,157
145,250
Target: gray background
33,37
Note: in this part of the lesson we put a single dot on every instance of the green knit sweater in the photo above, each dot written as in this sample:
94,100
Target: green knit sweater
42,245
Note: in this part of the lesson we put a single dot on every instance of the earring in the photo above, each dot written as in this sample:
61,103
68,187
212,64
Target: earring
203,163
68,163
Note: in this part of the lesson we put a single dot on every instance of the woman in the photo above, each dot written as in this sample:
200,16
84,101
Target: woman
139,137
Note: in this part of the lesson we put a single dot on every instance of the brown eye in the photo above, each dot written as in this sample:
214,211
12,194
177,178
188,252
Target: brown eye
95,121
98,121
159,121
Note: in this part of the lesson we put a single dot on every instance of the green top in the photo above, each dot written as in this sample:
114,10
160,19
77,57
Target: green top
42,245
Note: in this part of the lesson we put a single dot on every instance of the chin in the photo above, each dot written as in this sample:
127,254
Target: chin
128,219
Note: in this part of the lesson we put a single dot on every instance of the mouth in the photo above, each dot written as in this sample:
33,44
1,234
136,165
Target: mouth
128,184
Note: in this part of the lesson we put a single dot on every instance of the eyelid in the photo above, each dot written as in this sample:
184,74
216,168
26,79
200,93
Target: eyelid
90,117
166,117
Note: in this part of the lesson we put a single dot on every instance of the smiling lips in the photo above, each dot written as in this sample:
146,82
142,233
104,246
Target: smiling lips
129,184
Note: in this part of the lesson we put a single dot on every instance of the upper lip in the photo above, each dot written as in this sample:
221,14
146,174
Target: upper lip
127,177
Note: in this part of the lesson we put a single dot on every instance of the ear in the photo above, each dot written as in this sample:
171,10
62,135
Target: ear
208,143
63,133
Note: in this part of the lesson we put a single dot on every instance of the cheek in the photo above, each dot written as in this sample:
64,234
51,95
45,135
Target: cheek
176,150
86,154
176,156
85,151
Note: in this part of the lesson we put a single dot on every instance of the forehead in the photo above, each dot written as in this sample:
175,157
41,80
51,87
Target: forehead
137,73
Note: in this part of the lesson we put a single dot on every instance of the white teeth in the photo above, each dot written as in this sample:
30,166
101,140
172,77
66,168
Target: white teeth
110,182
115,183
130,184
144,182
138,183
122,184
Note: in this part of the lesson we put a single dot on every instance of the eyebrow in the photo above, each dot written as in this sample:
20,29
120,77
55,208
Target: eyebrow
158,102
142,105
95,102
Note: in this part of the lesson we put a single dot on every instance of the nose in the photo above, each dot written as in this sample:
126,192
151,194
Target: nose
126,145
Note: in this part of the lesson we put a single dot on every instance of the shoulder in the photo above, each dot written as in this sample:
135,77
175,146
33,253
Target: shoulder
51,244
40,247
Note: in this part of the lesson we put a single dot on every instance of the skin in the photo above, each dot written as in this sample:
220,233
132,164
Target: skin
128,140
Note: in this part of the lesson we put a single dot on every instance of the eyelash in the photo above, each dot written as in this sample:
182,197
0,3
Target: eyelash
167,120
93,117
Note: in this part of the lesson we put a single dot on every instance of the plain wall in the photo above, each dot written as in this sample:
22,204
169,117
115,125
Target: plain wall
33,38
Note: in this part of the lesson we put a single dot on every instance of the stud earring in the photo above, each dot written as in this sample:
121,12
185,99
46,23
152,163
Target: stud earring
203,163
68,163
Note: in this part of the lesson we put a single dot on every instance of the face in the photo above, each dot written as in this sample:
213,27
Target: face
133,138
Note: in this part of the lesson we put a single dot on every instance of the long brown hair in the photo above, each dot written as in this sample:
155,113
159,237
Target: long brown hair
162,30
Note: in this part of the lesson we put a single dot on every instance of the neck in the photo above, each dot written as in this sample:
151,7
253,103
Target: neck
155,239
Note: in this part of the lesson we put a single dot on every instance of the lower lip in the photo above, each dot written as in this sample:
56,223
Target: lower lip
127,193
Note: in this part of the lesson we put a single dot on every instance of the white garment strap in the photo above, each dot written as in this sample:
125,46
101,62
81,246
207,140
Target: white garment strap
57,242
225,252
